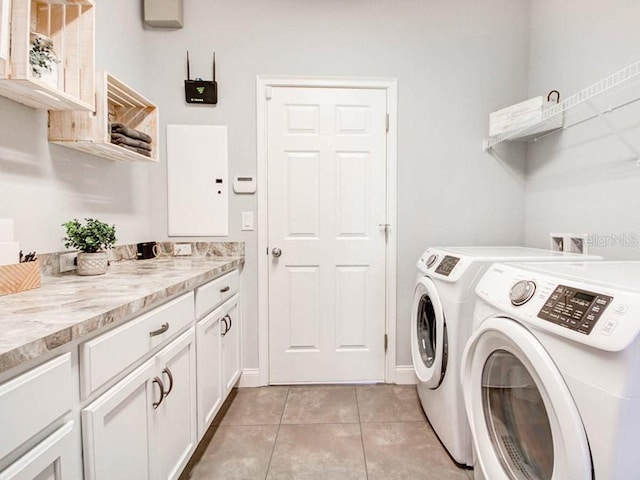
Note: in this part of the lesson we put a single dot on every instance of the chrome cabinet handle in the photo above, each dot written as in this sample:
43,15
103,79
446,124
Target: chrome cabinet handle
170,375
276,252
226,326
162,394
225,289
163,328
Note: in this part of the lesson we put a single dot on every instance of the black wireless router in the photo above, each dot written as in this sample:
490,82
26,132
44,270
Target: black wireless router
201,91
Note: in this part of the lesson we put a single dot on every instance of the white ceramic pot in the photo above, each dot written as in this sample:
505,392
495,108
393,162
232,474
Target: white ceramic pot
92,263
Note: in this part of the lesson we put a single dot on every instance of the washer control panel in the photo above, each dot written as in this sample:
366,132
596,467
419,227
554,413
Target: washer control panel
446,265
573,308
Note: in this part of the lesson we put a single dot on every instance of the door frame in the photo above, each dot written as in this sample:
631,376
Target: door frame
264,83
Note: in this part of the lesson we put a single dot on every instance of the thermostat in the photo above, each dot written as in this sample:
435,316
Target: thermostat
244,184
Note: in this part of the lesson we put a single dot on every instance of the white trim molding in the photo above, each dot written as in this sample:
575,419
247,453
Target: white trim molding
264,84
405,375
250,378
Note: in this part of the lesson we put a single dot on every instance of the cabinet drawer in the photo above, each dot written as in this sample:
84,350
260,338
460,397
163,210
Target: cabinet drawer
215,292
34,400
107,355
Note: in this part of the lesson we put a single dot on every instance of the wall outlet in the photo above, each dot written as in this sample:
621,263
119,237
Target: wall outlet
182,249
68,262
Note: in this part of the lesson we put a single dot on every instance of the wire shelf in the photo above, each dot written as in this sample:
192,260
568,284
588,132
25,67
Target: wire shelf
584,96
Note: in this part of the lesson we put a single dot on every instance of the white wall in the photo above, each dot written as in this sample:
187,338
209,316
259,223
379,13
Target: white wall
43,185
455,61
584,179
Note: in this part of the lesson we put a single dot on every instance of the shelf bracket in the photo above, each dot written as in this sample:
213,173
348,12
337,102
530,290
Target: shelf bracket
614,131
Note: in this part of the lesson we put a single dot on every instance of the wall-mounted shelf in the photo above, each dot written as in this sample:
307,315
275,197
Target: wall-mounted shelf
588,96
91,133
70,26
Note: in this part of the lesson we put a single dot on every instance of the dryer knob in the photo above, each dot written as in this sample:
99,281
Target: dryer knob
521,292
431,260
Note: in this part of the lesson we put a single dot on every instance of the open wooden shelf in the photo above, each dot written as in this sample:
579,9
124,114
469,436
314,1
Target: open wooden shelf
70,24
89,132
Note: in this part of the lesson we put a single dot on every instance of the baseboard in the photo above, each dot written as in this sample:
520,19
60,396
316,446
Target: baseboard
250,378
405,375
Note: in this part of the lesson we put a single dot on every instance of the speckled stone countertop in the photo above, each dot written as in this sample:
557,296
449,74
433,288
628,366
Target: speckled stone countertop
68,307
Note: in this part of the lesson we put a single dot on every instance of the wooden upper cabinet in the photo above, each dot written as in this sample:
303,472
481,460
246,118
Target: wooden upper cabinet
60,33
91,132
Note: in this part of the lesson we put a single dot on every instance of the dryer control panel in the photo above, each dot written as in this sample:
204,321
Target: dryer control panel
446,265
573,308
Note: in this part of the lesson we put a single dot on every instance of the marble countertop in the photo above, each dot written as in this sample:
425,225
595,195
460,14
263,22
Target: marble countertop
68,307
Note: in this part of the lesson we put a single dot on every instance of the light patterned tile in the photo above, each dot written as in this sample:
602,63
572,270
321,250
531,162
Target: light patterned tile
406,451
389,403
327,452
236,453
321,404
255,406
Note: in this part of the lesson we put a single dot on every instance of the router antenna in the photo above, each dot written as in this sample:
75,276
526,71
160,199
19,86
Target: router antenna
188,69
214,66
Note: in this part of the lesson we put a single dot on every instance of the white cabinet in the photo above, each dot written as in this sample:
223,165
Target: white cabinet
231,365
52,459
144,427
218,340
209,345
33,410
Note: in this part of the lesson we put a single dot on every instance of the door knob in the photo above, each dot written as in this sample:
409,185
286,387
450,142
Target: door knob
276,252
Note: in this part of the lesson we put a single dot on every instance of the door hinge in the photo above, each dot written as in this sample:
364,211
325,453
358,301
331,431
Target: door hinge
267,252
386,342
386,123
267,92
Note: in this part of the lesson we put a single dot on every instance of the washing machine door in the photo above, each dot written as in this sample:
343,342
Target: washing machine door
428,334
524,422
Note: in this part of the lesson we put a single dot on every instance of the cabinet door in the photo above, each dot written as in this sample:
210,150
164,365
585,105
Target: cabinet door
173,431
57,457
115,428
208,335
231,365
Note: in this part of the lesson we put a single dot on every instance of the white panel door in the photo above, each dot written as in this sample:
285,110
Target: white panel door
209,377
197,180
326,210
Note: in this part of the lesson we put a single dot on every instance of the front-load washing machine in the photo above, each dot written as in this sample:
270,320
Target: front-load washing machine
551,374
441,323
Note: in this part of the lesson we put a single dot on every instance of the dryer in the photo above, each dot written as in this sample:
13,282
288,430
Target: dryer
441,323
551,374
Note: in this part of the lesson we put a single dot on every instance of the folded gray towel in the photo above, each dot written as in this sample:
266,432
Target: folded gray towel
120,139
130,132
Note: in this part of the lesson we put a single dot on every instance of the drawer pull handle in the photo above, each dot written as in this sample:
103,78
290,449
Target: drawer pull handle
162,394
226,326
230,321
225,289
163,328
170,375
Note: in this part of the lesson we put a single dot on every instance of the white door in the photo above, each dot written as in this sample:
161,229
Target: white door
231,365
326,166
523,419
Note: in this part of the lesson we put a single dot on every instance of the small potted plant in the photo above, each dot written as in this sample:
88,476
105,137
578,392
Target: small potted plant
92,239
43,60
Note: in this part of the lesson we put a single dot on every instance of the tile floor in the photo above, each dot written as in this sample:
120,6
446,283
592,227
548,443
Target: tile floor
341,432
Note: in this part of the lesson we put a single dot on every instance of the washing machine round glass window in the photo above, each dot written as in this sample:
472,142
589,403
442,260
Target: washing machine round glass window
516,418
427,334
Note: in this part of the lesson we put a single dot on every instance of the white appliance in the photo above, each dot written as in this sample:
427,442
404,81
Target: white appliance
551,375
441,323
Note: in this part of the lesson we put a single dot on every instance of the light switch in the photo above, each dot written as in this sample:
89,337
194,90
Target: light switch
247,220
